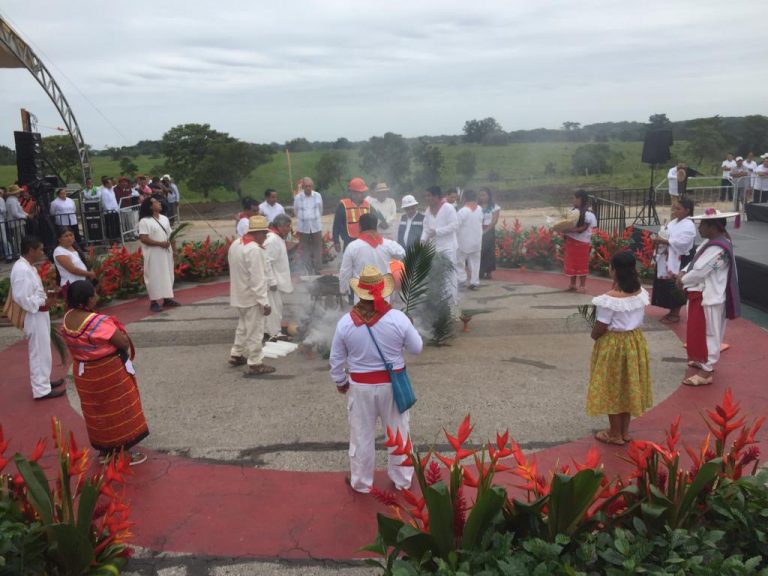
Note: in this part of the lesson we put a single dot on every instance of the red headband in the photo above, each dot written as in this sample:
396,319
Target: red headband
379,304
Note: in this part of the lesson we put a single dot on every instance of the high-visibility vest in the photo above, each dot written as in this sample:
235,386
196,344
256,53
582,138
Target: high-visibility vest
353,213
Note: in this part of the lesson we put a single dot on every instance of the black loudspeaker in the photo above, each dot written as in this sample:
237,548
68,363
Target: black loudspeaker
656,146
29,157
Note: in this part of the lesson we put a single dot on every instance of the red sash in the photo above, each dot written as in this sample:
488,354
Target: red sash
696,333
373,240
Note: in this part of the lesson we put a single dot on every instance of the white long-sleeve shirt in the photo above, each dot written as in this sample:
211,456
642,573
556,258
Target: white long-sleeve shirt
108,200
13,209
353,347
441,228
681,235
277,256
308,211
28,291
470,231
360,254
708,275
248,274
387,209
63,212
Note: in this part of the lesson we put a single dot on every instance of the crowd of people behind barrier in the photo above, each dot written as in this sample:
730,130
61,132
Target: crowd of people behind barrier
113,207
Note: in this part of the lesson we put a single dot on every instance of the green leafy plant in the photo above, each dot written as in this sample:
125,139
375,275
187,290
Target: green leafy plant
414,281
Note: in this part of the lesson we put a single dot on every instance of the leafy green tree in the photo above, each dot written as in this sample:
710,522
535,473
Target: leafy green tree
478,131
568,126
466,165
298,145
62,154
592,159
705,139
431,160
386,158
754,135
207,159
657,121
330,170
128,167
342,144
7,156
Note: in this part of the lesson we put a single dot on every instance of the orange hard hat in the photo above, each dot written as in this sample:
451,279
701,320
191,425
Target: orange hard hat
357,185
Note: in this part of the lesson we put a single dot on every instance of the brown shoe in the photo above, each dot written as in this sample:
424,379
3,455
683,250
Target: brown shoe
237,360
259,369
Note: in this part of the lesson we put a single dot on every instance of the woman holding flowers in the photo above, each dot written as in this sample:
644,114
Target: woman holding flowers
620,377
578,242
103,373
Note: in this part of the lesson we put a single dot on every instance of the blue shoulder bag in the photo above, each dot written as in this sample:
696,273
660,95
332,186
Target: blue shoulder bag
402,391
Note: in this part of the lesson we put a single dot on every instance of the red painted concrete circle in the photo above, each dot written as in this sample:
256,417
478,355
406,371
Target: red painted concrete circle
185,505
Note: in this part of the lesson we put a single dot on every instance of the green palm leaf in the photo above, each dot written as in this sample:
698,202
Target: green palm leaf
177,231
415,279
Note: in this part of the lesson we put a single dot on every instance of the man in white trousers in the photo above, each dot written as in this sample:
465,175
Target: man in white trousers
712,284
440,226
470,238
358,371
28,294
277,256
249,293
369,248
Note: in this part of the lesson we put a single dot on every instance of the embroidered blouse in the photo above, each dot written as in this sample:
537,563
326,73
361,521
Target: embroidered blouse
622,314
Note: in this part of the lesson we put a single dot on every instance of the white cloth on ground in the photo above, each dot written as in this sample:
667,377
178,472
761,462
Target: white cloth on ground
158,262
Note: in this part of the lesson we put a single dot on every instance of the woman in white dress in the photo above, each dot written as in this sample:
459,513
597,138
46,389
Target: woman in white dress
673,247
68,262
155,235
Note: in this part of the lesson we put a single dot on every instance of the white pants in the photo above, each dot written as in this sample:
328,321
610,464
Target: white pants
451,279
249,334
37,329
714,316
366,402
275,319
471,259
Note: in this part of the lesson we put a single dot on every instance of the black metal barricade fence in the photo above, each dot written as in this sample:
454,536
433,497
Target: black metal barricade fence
13,232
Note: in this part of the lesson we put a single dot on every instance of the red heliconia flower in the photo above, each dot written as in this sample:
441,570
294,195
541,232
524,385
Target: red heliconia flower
386,497
433,474
38,451
469,480
444,459
3,442
673,434
751,454
18,480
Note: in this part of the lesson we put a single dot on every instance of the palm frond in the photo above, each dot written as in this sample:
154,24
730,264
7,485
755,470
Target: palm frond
176,233
589,313
414,281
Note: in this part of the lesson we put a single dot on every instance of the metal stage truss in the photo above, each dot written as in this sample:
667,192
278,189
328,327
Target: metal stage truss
15,53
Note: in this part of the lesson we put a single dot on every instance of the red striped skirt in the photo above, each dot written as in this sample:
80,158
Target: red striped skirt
109,397
576,258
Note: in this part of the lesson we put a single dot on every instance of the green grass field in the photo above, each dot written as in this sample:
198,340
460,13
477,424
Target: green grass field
517,167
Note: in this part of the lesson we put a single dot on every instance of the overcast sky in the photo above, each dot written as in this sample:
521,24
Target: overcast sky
271,71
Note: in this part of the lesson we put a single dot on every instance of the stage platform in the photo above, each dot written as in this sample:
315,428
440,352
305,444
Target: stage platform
757,212
751,247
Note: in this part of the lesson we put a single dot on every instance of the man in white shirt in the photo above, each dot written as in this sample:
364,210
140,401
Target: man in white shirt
711,282
29,294
440,226
90,192
15,219
470,238
308,210
751,166
249,293
386,209
760,192
110,209
358,370
270,207
726,184
280,280
5,247
370,249
740,178
411,223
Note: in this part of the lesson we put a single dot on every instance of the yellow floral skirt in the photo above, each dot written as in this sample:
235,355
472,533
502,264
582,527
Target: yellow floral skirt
620,375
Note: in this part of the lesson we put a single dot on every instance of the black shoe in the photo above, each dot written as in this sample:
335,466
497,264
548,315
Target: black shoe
170,303
57,383
52,394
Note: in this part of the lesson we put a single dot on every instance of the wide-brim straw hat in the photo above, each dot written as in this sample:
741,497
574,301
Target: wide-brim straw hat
381,187
369,277
258,223
714,214
13,190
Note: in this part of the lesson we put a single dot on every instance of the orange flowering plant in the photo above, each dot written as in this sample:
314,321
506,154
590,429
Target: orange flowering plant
79,522
202,260
441,521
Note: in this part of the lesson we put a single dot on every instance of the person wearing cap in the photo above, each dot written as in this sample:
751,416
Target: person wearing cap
741,183
358,370
346,220
280,279
440,226
385,208
370,248
270,208
29,296
308,209
411,222
172,197
470,239
157,250
249,276
712,284
760,190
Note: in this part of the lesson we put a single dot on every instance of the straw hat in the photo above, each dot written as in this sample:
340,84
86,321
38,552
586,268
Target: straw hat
258,224
370,277
381,187
13,190
714,214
